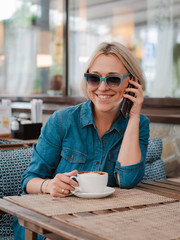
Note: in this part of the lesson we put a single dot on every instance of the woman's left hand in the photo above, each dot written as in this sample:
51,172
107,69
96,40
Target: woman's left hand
137,99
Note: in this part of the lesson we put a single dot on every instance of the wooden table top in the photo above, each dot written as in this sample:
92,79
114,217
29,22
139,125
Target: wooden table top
15,143
130,214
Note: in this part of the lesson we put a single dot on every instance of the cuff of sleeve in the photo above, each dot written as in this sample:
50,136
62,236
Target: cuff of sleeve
129,176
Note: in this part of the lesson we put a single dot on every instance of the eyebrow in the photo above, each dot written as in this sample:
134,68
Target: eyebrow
110,73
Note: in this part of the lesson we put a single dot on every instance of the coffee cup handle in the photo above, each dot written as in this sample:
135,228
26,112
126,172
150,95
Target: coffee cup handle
74,177
77,189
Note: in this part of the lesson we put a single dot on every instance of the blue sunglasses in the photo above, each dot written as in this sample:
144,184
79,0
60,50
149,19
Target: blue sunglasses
112,81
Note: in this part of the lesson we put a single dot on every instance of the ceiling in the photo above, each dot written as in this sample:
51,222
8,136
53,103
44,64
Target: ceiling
121,10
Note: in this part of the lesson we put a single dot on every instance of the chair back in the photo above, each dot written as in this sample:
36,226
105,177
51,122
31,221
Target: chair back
154,165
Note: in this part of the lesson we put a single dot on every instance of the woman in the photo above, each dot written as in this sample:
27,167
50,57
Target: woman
94,135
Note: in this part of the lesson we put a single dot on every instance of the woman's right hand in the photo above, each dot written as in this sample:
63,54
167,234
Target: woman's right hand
62,184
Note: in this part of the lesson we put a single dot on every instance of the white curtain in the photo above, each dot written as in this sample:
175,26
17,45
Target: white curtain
160,14
20,61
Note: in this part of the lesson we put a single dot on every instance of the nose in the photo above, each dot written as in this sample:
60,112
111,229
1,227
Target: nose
103,86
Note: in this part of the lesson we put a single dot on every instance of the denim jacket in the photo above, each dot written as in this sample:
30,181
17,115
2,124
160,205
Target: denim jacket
70,141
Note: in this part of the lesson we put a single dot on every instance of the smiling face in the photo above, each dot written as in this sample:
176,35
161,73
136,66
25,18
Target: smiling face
104,98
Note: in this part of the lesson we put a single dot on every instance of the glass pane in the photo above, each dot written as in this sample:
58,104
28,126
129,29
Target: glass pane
150,29
31,34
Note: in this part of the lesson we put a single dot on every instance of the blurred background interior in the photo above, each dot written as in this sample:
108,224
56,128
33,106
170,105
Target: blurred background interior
45,44
32,42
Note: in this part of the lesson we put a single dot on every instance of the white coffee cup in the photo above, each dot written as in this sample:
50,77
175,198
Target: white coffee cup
91,182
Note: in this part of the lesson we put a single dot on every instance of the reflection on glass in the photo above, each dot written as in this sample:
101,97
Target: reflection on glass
150,29
31,35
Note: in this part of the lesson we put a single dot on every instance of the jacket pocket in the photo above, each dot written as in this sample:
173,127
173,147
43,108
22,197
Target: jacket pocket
71,160
73,156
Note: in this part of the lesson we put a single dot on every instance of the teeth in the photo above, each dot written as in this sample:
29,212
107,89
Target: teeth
103,96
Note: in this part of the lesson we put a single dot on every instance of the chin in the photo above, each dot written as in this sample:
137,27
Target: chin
104,108
107,106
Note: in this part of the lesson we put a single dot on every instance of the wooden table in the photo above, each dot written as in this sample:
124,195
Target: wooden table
149,211
16,143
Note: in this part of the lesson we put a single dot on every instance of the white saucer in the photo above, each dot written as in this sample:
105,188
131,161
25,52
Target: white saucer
108,191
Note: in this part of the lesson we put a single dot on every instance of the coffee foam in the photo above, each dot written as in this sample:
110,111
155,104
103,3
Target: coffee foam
93,173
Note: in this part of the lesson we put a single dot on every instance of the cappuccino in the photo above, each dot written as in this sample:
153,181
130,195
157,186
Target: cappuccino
91,181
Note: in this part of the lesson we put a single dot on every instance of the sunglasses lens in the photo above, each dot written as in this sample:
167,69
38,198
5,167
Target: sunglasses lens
93,80
113,82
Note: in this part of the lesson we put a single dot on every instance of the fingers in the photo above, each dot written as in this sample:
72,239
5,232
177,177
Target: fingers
136,85
65,182
62,184
73,173
71,181
138,92
135,82
137,99
59,189
60,192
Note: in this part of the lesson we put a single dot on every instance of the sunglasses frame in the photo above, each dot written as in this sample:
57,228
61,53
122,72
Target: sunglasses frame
121,76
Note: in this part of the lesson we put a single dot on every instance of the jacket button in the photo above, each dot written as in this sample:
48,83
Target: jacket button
72,157
97,163
103,142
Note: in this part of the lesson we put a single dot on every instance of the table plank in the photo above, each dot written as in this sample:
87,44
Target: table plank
173,187
13,146
161,188
177,179
44,224
169,182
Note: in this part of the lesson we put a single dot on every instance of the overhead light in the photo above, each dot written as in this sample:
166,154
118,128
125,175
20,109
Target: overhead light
43,60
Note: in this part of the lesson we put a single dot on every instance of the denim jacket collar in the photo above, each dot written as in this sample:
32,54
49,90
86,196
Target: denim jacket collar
86,114
120,125
86,118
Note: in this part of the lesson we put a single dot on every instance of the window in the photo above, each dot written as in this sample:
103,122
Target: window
31,47
150,29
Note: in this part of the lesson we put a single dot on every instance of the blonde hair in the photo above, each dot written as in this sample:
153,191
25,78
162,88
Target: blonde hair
123,54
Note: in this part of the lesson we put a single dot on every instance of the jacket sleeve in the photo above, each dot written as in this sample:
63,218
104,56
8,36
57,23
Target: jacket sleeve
46,153
131,175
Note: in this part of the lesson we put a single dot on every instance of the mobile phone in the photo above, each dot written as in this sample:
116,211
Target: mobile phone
126,104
